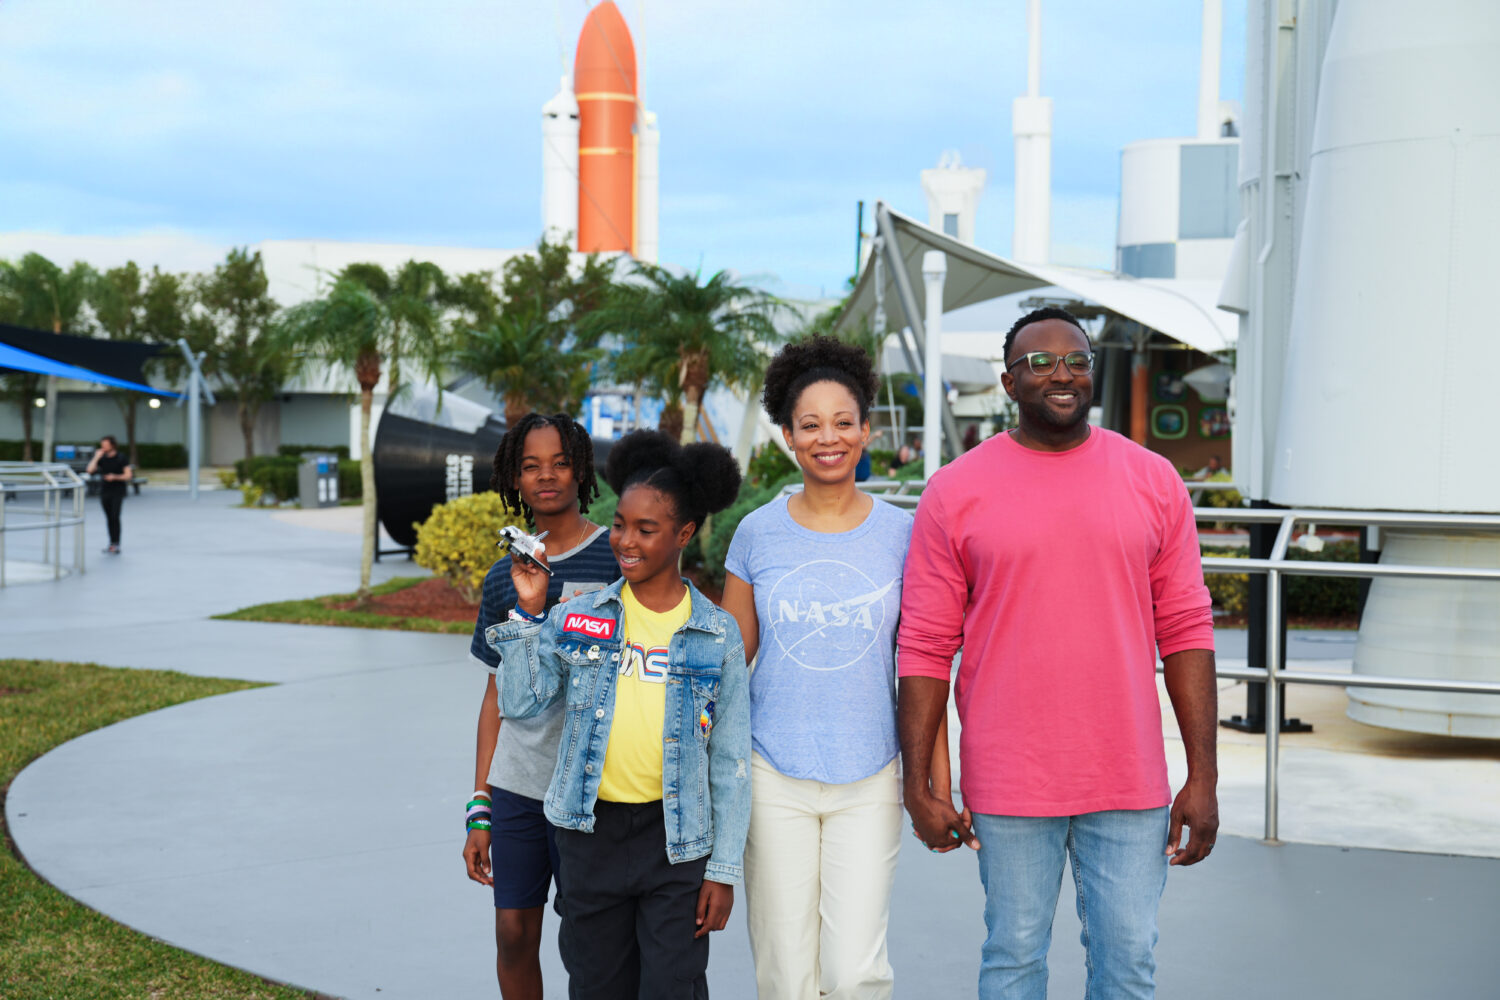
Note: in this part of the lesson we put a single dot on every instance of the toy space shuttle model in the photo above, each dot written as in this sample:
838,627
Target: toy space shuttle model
600,178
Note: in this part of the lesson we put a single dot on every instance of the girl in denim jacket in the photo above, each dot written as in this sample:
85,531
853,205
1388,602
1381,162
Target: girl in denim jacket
651,793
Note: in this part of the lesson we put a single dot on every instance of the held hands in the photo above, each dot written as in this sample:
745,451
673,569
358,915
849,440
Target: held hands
715,900
935,822
531,585
477,857
1197,808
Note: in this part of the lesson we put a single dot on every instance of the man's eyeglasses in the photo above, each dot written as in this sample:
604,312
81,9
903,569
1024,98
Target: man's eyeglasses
1045,362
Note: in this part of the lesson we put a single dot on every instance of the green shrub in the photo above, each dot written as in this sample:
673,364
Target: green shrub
1230,591
150,456
1306,596
277,479
228,479
769,464
713,547
160,456
351,486
881,460
1324,596
458,540
602,510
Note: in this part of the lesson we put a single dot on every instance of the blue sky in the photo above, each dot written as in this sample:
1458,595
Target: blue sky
420,123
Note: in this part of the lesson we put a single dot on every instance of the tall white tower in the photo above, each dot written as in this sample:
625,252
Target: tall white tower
1031,124
953,192
647,187
560,166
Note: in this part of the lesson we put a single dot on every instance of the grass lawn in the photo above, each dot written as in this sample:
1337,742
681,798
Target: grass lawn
320,611
50,946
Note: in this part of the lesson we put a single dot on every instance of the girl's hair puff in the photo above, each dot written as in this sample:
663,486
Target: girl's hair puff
699,479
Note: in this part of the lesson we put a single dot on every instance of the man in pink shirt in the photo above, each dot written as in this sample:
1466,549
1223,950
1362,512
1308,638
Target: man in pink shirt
1062,559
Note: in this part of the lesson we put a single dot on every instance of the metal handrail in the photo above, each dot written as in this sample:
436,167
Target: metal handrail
1278,564
56,483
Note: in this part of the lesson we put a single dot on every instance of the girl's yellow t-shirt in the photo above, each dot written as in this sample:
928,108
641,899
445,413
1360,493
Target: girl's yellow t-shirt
632,760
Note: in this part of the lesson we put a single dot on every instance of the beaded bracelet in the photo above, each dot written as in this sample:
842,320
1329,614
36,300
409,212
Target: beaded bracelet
479,814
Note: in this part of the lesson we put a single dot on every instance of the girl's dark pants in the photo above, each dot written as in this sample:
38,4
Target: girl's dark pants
629,914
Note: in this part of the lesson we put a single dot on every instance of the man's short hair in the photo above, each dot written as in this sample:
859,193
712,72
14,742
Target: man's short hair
1037,316
112,442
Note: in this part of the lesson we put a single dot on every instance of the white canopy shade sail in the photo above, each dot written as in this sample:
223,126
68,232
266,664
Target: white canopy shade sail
1186,311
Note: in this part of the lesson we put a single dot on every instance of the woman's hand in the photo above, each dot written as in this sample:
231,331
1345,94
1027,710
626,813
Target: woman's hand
477,857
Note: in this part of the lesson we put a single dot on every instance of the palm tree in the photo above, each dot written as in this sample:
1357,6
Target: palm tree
652,367
414,298
523,356
353,328
715,329
38,294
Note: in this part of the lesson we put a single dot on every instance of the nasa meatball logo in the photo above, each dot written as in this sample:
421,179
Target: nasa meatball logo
826,615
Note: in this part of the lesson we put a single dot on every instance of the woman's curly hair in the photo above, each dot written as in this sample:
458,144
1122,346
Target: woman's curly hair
817,359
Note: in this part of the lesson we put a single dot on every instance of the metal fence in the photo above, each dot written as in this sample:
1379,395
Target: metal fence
45,497
1278,565
1275,567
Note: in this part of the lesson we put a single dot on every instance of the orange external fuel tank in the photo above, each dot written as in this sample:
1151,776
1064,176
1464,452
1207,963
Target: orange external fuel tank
604,84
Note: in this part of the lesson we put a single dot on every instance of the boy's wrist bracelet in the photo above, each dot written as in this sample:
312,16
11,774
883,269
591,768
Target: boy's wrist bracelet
478,815
517,615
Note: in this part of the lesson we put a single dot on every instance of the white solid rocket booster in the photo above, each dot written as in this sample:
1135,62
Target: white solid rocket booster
560,166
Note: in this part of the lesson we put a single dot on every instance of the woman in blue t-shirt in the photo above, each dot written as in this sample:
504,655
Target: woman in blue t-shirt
814,580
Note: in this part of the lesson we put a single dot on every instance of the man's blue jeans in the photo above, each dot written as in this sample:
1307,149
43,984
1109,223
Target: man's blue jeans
1120,869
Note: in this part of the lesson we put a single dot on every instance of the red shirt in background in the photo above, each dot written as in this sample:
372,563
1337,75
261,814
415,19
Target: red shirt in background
1061,575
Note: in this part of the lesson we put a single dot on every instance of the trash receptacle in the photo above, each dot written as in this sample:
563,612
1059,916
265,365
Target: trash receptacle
318,480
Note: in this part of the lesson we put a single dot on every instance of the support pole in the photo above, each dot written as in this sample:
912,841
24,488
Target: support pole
1140,386
1261,620
1274,639
934,274
197,388
908,301
49,419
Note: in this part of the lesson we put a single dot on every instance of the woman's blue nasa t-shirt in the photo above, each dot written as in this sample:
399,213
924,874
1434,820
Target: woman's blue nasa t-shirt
823,690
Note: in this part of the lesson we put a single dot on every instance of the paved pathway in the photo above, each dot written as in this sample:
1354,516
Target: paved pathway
309,831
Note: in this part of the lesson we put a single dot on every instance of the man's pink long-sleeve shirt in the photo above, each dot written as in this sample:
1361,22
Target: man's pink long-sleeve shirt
1061,575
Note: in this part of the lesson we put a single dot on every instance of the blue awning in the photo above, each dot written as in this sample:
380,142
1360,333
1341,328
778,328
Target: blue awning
19,360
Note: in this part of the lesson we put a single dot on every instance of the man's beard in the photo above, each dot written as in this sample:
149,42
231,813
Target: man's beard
1041,413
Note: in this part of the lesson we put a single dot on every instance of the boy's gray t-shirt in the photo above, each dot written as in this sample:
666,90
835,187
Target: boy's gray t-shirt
823,689
526,749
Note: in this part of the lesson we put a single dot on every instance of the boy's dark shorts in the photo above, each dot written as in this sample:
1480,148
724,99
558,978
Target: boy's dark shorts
523,851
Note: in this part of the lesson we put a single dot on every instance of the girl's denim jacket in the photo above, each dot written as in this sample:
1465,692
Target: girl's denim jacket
575,653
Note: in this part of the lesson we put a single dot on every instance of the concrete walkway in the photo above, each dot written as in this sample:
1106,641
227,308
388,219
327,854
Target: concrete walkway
310,831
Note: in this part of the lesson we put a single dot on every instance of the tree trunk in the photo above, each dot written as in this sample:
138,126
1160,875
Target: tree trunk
694,384
126,401
27,405
515,409
247,427
367,372
367,502
670,423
